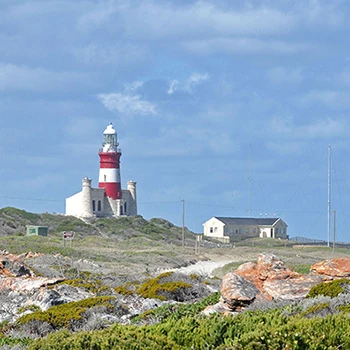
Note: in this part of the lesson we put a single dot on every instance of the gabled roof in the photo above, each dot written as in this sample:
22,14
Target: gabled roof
248,221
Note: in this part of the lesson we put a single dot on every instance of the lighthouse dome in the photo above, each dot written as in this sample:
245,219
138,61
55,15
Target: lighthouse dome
109,130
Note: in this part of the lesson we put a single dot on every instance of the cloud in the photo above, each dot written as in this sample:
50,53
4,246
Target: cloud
174,85
282,75
203,17
287,129
188,86
127,104
330,98
24,78
226,45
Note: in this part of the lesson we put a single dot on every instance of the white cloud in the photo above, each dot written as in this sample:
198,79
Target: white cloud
287,129
246,45
282,75
174,85
330,98
194,80
157,20
133,86
127,104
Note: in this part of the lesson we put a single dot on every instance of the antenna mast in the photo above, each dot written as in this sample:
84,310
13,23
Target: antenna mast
329,196
250,180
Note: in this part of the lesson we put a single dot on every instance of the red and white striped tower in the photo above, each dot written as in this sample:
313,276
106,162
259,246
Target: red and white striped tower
109,176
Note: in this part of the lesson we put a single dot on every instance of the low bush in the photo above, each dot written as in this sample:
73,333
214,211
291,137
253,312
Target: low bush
330,289
65,315
161,288
176,311
248,331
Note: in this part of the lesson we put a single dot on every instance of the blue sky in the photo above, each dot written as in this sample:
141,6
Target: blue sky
201,93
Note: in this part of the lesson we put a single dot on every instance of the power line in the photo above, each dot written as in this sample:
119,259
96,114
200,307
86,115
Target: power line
32,199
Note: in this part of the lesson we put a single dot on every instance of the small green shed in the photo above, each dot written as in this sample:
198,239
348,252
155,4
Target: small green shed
33,230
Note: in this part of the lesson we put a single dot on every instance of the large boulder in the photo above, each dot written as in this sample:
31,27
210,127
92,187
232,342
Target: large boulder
237,292
339,267
275,280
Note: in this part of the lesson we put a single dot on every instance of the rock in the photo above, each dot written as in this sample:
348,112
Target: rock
339,267
13,266
290,289
275,280
220,308
60,294
21,284
237,292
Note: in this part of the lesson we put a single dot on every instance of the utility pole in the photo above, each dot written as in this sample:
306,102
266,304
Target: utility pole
183,222
329,196
334,228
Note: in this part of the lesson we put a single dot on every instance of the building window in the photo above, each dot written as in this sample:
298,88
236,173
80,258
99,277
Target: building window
211,230
121,210
215,229
125,208
93,206
105,178
99,206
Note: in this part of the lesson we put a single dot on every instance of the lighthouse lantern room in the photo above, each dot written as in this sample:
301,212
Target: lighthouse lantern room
108,199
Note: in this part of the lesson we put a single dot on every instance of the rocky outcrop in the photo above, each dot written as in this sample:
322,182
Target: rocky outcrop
336,268
13,266
275,280
271,279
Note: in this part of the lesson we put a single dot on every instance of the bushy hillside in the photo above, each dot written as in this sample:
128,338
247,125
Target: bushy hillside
13,221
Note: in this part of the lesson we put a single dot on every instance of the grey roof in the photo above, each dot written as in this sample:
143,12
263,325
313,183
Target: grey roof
248,221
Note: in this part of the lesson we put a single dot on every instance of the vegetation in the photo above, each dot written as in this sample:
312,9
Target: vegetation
175,312
63,315
330,289
250,330
161,288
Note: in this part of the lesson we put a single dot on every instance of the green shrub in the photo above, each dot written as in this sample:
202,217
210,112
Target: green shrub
123,290
177,311
330,289
314,310
159,289
94,286
62,315
33,308
247,331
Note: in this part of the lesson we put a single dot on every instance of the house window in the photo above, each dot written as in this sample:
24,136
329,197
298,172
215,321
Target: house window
125,208
104,178
99,206
93,206
211,230
215,229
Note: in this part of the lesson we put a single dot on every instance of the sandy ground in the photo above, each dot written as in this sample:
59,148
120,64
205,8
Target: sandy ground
203,268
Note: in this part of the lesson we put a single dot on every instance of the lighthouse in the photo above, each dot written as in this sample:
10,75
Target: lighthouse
109,176
109,199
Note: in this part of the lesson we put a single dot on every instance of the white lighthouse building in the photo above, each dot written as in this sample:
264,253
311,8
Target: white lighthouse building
108,199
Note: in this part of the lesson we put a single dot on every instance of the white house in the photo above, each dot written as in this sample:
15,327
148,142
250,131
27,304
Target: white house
236,229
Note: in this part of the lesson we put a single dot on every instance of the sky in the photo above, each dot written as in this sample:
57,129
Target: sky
228,105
